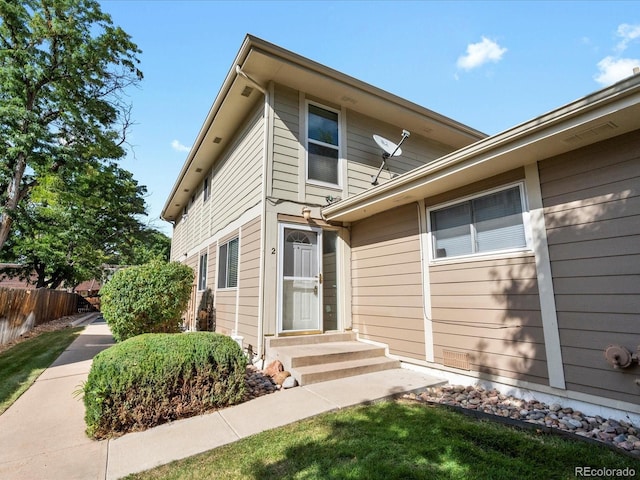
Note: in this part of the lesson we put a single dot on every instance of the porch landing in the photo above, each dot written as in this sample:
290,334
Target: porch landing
318,358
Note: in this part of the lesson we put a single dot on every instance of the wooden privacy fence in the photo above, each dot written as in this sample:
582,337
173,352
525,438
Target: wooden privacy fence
21,310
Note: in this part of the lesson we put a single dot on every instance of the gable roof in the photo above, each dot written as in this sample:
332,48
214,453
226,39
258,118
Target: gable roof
607,113
256,65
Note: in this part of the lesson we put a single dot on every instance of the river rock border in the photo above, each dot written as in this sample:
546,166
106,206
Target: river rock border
619,433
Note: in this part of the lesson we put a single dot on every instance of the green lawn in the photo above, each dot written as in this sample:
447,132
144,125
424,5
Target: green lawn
21,365
395,440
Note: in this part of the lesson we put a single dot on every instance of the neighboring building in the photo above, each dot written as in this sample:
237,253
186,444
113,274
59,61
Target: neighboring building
9,281
513,258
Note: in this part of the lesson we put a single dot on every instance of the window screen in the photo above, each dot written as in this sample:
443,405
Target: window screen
228,264
322,145
482,224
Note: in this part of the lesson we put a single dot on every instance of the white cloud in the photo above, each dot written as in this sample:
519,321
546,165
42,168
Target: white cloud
614,69
480,53
628,33
179,147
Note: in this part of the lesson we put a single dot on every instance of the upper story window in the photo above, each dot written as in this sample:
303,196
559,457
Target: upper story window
205,189
228,264
323,145
489,222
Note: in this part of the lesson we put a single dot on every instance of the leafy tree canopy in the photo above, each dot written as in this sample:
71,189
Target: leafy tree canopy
71,227
64,68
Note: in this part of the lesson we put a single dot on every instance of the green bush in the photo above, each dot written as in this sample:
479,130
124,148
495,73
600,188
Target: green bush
149,298
155,378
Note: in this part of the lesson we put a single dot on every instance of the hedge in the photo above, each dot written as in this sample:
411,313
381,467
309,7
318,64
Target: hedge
156,378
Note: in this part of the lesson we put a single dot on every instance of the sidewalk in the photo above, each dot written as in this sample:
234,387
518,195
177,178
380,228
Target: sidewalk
42,434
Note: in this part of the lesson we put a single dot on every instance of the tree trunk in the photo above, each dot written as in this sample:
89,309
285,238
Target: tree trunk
13,196
5,227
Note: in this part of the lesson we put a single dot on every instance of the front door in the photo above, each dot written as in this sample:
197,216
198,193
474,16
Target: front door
300,279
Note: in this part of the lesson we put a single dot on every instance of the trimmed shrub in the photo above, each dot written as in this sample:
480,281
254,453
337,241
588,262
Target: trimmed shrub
156,378
148,298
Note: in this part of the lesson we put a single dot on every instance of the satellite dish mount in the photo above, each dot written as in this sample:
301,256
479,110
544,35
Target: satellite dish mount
390,149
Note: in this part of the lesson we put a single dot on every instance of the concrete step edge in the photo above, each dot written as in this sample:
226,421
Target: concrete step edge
312,374
275,342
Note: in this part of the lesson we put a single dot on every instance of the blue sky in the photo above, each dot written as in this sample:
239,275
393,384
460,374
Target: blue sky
490,65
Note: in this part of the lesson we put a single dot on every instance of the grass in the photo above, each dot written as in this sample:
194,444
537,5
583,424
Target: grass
395,440
21,364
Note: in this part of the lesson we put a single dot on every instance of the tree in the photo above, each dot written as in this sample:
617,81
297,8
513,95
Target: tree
149,244
64,67
71,227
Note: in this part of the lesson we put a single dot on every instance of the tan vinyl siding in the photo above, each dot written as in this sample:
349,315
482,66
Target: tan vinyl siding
225,302
236,185
179,238
365,157
362,154
248,283
476,187
286,143
387,303
490,309
591,200
211,267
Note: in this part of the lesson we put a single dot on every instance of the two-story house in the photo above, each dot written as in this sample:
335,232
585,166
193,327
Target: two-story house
512,259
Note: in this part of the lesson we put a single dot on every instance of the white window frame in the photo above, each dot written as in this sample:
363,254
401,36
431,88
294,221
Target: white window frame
316,142
226,278
501,252
202,273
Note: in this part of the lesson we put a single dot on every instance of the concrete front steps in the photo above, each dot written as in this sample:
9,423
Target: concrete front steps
318,358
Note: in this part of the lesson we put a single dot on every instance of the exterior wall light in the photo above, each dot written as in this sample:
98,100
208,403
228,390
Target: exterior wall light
306,213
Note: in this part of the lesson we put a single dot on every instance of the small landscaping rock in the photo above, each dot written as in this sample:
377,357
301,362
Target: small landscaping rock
289,382
620,433
280,377
274,368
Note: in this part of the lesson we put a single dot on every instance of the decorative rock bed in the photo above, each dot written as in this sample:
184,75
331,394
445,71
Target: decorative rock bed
258,383
619,433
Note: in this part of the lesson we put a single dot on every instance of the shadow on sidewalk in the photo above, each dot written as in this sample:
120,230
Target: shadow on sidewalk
95,338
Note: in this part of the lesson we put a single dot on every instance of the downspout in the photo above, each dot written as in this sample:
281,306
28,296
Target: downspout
263,223
251,80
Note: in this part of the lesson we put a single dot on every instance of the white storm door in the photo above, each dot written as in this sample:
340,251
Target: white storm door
300,299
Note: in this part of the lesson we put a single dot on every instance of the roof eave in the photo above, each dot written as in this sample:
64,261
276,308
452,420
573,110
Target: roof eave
606,101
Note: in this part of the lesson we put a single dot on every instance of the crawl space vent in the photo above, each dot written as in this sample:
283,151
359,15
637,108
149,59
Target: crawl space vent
456,360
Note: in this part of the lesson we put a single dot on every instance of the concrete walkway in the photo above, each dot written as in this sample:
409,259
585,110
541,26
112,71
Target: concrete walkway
42,434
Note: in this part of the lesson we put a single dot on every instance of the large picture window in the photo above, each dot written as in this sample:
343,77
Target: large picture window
323,145
228,264
486,223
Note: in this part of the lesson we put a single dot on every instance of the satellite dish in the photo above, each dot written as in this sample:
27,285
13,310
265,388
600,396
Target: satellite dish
390,148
